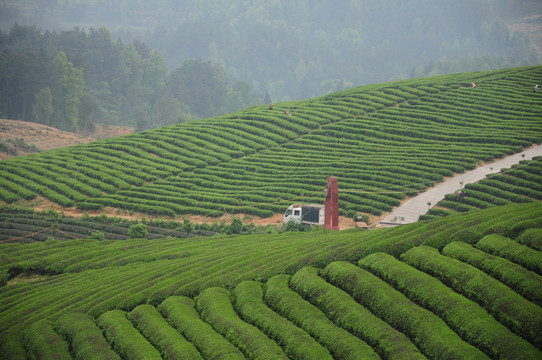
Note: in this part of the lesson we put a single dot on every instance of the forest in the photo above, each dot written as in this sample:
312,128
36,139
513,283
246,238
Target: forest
71,64
72,79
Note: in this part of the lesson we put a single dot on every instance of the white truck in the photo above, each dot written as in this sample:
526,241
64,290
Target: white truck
305,214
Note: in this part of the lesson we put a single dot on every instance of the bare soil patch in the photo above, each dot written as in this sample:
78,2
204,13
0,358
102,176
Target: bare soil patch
24,277
42,204
24,137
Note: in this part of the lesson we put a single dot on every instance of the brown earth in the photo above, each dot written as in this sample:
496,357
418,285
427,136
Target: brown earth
42,204
24,137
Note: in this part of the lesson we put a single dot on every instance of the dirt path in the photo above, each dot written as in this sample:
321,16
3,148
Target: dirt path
410,210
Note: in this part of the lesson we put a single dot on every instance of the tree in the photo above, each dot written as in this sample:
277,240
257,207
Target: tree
142,122
200,85
233,101
240,96
236,226
73,85
138,231
97,235
154,75
188,226
267,98
43,108
167,111
130,68
86,108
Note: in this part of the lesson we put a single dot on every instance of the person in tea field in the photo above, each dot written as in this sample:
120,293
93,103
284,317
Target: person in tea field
535,88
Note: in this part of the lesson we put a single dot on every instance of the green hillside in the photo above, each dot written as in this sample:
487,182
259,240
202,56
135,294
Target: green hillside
464,286
467,285
383,142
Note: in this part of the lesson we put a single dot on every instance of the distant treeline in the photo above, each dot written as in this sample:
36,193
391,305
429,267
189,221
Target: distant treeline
72,79
289,49
301,49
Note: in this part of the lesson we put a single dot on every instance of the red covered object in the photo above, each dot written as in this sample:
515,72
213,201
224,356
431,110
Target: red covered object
331,220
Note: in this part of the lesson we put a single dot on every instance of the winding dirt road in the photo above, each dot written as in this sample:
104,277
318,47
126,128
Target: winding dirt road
409,211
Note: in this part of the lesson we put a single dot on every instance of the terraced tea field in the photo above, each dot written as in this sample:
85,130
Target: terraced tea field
383,143
465,286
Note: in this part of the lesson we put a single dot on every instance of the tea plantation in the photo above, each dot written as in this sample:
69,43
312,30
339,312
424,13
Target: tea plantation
466,285
383,142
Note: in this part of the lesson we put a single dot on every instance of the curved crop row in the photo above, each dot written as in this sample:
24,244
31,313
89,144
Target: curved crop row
296,343
215,308
511,250
518,314
86,339
288,303
519,184
340,307
464,316
430,334
532,238
124,339
180,313
523,281
43,342
167,340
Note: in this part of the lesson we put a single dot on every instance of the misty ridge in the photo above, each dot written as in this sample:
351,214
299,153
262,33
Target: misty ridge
150,64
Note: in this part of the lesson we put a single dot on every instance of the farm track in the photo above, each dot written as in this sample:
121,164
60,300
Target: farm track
411,210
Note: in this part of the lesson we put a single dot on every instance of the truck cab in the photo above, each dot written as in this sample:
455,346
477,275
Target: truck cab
305,214
293,213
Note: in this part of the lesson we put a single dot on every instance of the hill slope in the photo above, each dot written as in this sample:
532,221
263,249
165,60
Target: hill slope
383,142
464,286
24,137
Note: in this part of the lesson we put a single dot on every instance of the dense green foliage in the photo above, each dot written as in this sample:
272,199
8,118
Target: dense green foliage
248,301
166,339
383,142
259,294
303,49
181,314
74,79
85,337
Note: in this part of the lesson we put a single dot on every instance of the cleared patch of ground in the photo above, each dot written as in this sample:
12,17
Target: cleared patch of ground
23,137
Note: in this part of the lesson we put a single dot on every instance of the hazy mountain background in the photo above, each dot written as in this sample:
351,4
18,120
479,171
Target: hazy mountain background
206,58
